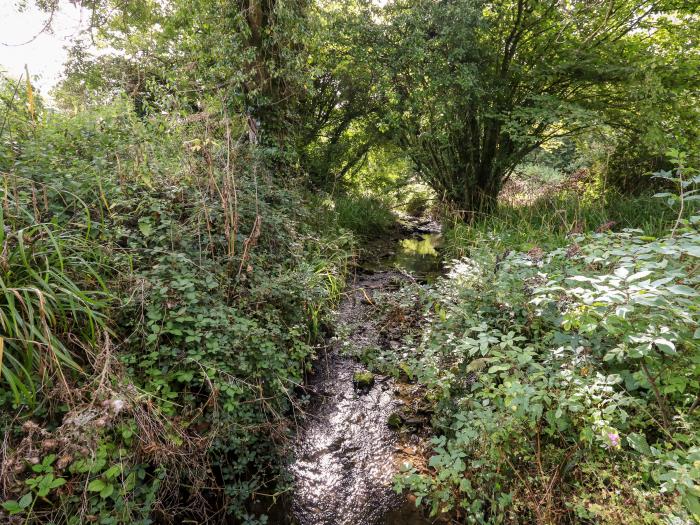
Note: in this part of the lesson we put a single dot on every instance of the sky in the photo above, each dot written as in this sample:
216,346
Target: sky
23,42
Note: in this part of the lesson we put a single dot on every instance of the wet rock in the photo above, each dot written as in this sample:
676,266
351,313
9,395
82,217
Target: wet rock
414,421
336,444
424,408
363,381
405,418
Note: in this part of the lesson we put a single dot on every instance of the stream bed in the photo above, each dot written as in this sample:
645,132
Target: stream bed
345,452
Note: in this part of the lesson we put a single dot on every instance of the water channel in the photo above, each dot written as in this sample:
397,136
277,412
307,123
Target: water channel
344,452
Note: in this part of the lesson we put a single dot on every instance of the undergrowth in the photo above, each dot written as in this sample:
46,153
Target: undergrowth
162,296
551,220
563,367
367,216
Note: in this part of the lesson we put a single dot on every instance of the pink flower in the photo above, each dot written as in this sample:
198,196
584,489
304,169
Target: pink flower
614,439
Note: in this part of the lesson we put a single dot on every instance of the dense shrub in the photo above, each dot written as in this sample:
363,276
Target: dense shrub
195,286
565,380
365,215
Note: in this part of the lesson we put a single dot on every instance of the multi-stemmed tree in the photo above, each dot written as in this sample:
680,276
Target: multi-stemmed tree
477,85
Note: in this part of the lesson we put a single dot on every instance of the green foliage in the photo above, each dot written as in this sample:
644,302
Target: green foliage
341,128
185,57
567,379
363,380
687,184
17,116
220,281
418,204
44,306
623,163
664,111
473,87
365,215
540,172
52,292
164,280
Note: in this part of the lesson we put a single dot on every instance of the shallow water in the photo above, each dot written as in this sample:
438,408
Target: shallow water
344,453
419,256
344,469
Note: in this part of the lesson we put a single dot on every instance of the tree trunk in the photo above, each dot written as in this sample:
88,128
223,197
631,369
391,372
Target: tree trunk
475,202
474,192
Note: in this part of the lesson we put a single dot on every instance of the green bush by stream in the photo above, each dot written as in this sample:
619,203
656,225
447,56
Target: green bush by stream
565,373
161,298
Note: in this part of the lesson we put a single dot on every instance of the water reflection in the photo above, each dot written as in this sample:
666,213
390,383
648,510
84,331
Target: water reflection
344,452
344,462
419,255
425,245
343,470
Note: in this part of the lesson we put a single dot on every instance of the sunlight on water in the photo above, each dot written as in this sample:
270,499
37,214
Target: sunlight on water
423,246
419,255
344,465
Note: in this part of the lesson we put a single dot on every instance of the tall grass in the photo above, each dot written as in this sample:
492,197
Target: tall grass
49,322
364,215
539,172
549,221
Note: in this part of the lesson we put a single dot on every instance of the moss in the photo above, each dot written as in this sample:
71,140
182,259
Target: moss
405,372
363,380
395,421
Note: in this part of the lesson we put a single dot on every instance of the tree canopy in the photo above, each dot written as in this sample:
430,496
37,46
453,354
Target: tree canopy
466,88
476,86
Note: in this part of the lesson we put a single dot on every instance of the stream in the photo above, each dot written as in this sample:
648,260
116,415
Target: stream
345,452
